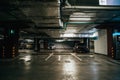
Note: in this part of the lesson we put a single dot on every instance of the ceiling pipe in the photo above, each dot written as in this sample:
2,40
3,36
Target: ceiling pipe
93,7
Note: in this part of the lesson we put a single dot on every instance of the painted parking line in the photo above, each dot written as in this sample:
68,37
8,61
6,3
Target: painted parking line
49,56
73,54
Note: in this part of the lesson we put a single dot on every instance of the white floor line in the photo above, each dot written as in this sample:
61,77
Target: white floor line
73,54
49,56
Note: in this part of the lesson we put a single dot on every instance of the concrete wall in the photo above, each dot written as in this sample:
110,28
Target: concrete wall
100,45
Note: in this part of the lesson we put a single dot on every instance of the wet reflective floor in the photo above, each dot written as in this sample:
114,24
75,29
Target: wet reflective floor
62,66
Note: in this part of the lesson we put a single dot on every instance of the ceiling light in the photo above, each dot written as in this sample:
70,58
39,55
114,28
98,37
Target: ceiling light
80,19
79,16
116,33
102,2
71,31
29,40
78,13
61,40
68,35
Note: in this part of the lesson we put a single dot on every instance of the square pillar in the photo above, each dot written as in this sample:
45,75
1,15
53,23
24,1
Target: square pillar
9,45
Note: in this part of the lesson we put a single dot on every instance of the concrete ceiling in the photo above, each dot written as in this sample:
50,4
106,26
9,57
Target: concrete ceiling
51,18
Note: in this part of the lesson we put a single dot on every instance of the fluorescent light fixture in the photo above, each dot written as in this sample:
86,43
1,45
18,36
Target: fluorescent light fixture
109,2
61,40
81,35
68,35
29,40
78,13
80,16
71,31
102,2
117,33
77,18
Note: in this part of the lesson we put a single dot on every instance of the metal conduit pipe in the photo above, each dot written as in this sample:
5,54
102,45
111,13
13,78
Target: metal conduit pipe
93,7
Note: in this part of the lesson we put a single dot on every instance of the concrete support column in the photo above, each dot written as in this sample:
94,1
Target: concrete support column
100,44
9,46
110,43
116,44
87,42
45,44
36,44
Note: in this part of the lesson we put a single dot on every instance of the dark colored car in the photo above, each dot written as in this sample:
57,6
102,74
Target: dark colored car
51,46
81,49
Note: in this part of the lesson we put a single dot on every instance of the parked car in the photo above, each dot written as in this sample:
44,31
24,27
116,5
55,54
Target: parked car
80,49
51,46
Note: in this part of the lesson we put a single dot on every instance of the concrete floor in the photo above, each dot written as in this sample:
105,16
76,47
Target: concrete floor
62,66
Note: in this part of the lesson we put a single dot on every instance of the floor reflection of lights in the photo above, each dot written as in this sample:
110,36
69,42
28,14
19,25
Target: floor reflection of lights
26,58
69,70
69,67
59,58
27,61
